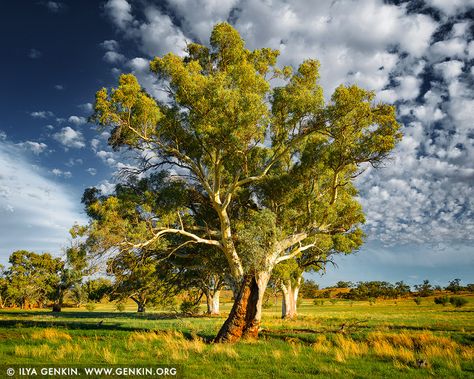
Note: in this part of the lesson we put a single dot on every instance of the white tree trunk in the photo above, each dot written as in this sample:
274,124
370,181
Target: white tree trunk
285,301
212,301
294,297
290,297
215,303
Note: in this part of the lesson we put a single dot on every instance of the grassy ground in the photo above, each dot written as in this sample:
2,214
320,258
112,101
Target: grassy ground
390,339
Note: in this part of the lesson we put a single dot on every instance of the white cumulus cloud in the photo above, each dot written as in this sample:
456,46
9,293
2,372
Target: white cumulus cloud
70,138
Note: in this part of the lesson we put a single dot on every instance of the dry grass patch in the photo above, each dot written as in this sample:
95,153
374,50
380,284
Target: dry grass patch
277,354
22,351
51,334
349,347
179,347
467,353
406,348
226,350
322,345
108,356
41,351
143,337
69,351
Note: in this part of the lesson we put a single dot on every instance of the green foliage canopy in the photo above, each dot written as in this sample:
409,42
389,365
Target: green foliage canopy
253,154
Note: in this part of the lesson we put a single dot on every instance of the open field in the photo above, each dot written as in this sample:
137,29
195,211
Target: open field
390,339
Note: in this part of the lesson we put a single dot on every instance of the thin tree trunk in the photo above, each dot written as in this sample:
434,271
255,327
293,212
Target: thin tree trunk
285,301
140,305
212,301
245,316
294,297
57,306
215,302
290,298
209,302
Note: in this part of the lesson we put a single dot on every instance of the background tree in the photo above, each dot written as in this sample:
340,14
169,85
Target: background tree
204,268
309,289
97,289
4,295
425,289
78,294
312,260
343,284
143,279
229,136
73,269
33,278
402,289
454,286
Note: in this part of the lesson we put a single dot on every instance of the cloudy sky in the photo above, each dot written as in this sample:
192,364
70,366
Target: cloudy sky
416,54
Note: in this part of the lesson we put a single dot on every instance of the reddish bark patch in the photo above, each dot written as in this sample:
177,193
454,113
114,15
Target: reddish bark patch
241,321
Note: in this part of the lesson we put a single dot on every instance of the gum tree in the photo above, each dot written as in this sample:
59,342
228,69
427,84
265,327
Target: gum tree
33,278
249,151
289,274
142,279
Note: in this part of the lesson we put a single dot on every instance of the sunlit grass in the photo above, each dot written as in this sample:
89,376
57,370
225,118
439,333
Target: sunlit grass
383,340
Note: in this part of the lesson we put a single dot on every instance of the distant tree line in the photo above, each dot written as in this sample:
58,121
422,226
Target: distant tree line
386,290
40,280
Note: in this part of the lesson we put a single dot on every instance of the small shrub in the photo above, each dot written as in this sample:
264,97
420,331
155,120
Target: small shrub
333,301
318,302
443,300
90,307
371,300
417,300
457,301
120,306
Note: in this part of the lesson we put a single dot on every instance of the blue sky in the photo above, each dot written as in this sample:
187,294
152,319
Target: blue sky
418,55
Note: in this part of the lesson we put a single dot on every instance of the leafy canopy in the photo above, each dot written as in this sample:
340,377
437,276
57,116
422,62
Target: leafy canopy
249,154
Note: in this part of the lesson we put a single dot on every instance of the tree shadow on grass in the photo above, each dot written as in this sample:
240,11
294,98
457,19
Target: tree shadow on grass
94,321
92,315
70,325
79,320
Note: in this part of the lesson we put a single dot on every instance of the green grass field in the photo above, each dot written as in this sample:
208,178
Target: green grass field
390,339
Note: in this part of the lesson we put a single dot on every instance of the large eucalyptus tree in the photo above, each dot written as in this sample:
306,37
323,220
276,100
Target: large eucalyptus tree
273,165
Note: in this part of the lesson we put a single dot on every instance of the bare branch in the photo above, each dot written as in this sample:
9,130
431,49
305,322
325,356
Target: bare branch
294,253
162,232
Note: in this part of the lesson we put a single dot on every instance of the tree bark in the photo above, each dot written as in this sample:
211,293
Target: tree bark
209,302
245,316
58,304
56,307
